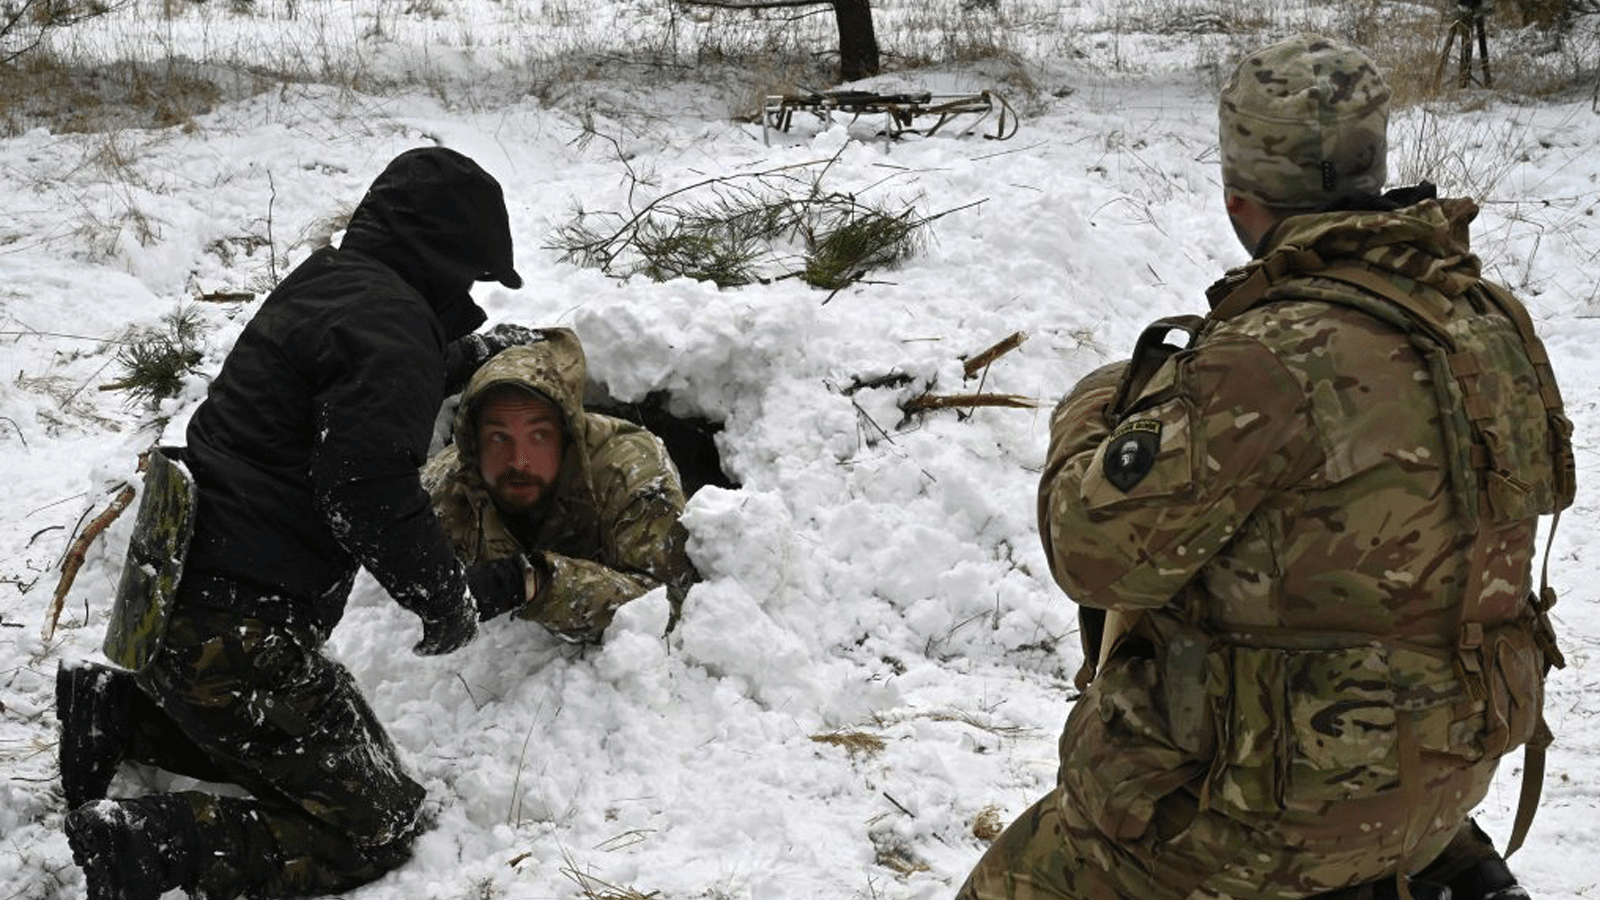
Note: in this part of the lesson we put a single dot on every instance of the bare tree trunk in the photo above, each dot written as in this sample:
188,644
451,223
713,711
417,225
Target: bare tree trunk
858,40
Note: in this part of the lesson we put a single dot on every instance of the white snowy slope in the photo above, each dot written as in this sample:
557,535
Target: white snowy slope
877,657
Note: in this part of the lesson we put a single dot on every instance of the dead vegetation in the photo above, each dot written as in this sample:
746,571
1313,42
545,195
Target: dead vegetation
747,228
591,887
987,824
25,24
1538,47
69,95
858,743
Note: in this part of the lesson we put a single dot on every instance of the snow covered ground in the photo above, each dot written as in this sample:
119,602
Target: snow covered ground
877,660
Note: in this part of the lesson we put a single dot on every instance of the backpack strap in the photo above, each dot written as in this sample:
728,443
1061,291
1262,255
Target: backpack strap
1566,479
1150,353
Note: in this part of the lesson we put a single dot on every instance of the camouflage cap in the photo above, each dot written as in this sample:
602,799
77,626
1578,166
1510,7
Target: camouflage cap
1302,122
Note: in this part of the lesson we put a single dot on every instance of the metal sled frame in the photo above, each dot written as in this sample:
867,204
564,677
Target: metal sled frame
908,113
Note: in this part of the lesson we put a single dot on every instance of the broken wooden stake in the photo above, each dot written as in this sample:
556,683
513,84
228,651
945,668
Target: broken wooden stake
966,401
80,548
978,363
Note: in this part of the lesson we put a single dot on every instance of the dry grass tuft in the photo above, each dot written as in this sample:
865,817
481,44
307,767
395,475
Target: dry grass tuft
1007,731
857,742
44,90
1463,158
900,861
593,888
987,825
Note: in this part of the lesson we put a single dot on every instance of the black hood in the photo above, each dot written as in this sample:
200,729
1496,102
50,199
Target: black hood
439,220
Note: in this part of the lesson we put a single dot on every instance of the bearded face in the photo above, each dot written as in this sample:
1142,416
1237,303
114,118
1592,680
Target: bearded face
519,448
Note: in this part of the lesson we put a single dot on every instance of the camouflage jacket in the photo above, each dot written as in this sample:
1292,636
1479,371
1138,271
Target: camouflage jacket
611,530
1302,591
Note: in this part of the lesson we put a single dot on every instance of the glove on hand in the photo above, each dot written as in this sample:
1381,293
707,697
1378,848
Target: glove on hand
507,334
482,347
498,586
466,354
450,630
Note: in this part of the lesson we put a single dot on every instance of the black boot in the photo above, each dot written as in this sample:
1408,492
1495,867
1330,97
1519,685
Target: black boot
1389,889
135,849
1488,880
92,705
1474,869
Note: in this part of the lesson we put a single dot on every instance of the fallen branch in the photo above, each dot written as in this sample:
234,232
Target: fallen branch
80,549
73,560
891,380
981,361
227,297
957,401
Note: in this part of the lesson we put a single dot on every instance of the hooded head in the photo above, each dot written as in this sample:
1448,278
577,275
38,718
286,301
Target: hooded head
550,372
1304,122
439,220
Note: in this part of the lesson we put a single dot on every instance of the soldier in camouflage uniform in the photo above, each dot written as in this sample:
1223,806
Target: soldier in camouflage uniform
304,461
588,501
1301,541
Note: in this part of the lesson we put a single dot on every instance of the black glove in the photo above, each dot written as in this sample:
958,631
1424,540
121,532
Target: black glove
498,586
466,354
450,630
508,334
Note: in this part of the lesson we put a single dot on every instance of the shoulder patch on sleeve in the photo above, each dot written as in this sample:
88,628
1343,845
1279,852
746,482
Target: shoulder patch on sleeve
1131,452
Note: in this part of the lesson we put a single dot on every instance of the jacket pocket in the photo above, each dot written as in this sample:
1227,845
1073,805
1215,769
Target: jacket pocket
1117,755
1514,687
1310,725
1346,741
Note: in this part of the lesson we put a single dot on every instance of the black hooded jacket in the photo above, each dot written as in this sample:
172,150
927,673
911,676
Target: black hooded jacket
306,450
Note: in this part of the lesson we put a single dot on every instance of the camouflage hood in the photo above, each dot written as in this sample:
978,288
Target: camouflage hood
556,368
1426,242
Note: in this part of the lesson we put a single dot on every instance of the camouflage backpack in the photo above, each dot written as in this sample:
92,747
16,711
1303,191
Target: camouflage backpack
1509,444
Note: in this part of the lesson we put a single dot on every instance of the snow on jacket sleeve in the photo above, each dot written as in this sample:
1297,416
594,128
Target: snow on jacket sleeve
638,502
1130,513
381,376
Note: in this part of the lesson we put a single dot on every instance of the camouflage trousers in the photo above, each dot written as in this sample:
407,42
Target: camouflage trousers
1196,857
256,704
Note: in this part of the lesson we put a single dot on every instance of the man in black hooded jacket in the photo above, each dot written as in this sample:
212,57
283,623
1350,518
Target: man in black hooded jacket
305,455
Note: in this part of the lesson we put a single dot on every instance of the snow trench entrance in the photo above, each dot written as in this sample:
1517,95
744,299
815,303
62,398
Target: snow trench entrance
690,439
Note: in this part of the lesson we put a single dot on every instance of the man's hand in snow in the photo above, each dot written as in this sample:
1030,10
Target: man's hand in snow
450,630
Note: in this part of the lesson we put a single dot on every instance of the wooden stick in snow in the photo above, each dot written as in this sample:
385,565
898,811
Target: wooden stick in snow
978,363
73,561
959,401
